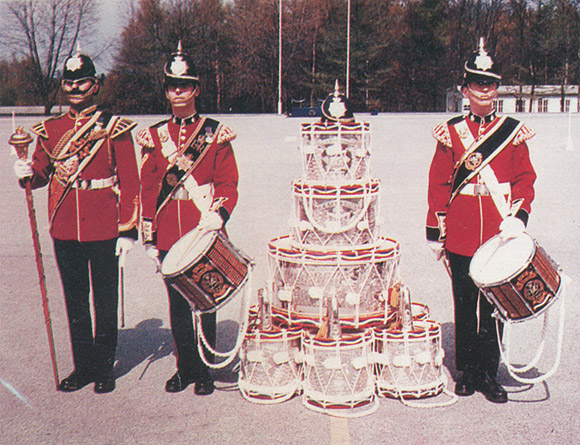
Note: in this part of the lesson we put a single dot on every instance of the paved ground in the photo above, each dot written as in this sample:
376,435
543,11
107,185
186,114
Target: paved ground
140,411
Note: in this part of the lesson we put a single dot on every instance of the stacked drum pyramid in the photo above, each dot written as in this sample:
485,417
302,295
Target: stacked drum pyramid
335,322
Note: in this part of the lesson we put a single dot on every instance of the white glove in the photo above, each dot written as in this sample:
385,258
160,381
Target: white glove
124,245
438,248
152,252
511,227
23,168
211,221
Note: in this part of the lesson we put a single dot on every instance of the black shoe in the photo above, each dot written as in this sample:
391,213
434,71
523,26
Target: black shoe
492,390
74,382
465,386
204,387
178,382
105,385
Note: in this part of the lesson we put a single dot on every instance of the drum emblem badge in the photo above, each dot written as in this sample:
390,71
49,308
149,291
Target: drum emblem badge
210,280
532,287
473,161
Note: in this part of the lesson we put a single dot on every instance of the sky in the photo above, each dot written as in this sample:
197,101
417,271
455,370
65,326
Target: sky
102,44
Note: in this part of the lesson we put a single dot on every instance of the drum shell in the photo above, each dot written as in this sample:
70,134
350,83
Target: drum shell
360,279
213,278
338,373
336,216
270,367
335,151
409,364
526,293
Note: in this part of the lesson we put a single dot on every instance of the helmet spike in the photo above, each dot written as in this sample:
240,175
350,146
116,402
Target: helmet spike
78,47
336,89
179,47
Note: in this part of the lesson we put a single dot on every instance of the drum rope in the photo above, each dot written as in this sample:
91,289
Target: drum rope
243,327
308,199
505,352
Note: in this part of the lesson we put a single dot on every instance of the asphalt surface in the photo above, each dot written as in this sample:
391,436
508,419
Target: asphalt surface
140,411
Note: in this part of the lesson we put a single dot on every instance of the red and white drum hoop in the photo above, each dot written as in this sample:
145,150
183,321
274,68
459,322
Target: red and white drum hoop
338,374
336,216
270,368
409,363
335,151
359,279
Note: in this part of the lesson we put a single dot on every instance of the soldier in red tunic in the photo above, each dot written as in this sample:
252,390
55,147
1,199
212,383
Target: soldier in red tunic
481,183
87,158
189,179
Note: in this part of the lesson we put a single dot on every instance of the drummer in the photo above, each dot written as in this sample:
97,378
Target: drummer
189,179
479,186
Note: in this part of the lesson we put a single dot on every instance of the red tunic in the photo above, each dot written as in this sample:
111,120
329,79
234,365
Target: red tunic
217,167
470,220
91,214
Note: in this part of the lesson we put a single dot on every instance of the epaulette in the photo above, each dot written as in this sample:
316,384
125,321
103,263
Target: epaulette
524,134
144,138
121,126
40,130
226,134
441,133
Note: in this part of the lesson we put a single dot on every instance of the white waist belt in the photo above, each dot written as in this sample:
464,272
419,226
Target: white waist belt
94,184
482,190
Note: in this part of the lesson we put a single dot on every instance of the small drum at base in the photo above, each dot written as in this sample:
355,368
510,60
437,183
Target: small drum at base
206,269
408,363
516,276
270,371
338,373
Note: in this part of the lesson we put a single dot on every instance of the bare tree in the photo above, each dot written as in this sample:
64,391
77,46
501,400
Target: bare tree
46,32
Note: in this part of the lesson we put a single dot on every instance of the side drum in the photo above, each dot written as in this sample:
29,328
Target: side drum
516,276
206,269
409,363
335,216
359,279
335,151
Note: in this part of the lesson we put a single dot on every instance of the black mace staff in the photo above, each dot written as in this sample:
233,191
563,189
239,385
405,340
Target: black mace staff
20,140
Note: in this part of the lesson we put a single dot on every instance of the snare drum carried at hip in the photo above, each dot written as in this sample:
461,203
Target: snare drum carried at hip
206,269
517,276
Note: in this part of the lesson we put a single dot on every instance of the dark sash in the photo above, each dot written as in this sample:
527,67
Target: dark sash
484,151
195,149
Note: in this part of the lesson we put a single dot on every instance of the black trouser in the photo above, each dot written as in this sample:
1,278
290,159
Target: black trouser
188,359
92,355
476,343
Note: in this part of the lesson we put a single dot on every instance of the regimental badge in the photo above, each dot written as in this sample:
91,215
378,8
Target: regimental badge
74,63
178,66
209,136
473,161
483,61
337,108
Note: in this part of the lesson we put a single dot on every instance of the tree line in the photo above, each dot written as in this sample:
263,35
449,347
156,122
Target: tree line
404,54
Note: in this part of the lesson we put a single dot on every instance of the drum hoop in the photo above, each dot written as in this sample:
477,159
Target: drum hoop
275,335
296,255
301,186
421,329
351,341
513,275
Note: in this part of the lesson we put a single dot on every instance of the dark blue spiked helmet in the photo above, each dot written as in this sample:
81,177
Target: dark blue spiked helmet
481,67
179,69
336,107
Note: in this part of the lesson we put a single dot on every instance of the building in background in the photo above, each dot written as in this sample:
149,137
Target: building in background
525,99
